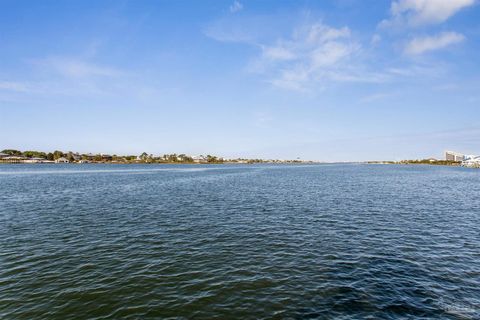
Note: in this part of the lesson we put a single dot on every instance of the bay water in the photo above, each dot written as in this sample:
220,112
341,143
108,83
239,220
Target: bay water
332,241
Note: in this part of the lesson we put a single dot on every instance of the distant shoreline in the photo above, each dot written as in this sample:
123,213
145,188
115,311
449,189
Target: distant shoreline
231,163
416,162
169,163
30,157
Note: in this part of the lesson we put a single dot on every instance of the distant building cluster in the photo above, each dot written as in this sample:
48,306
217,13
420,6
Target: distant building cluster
16,156
466,160
454,156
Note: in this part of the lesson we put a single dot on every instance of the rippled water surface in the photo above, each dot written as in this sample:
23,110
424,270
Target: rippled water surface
239,242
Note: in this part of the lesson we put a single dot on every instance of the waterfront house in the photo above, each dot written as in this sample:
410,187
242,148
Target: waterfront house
106,157
199,159
13,159
62,160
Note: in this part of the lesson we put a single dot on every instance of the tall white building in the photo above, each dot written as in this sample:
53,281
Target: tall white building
454,156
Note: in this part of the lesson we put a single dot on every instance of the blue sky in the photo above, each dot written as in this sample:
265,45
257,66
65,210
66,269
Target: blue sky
336,80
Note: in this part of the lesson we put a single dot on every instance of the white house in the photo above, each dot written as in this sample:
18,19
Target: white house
62,160
199,159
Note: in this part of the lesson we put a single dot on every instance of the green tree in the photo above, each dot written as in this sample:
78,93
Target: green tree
12,152
58,154
144,156
211,159
34,154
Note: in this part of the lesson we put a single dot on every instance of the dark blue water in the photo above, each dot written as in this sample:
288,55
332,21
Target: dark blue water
239,242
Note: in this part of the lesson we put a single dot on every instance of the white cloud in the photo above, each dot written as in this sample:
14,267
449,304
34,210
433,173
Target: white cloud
292,79
236,6
320,33
329,54
314,52
313,55
420,45
278,53
423,12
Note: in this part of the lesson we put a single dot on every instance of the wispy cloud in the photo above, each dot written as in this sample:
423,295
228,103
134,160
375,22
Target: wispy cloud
247,29
312,56
77,68
376,38
307,54
65,76
278,53
315,55
315,52
376,97
236,6
420,45
416,13
14,86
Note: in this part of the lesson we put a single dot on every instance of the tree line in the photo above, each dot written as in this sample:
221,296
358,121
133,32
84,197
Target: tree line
143,157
